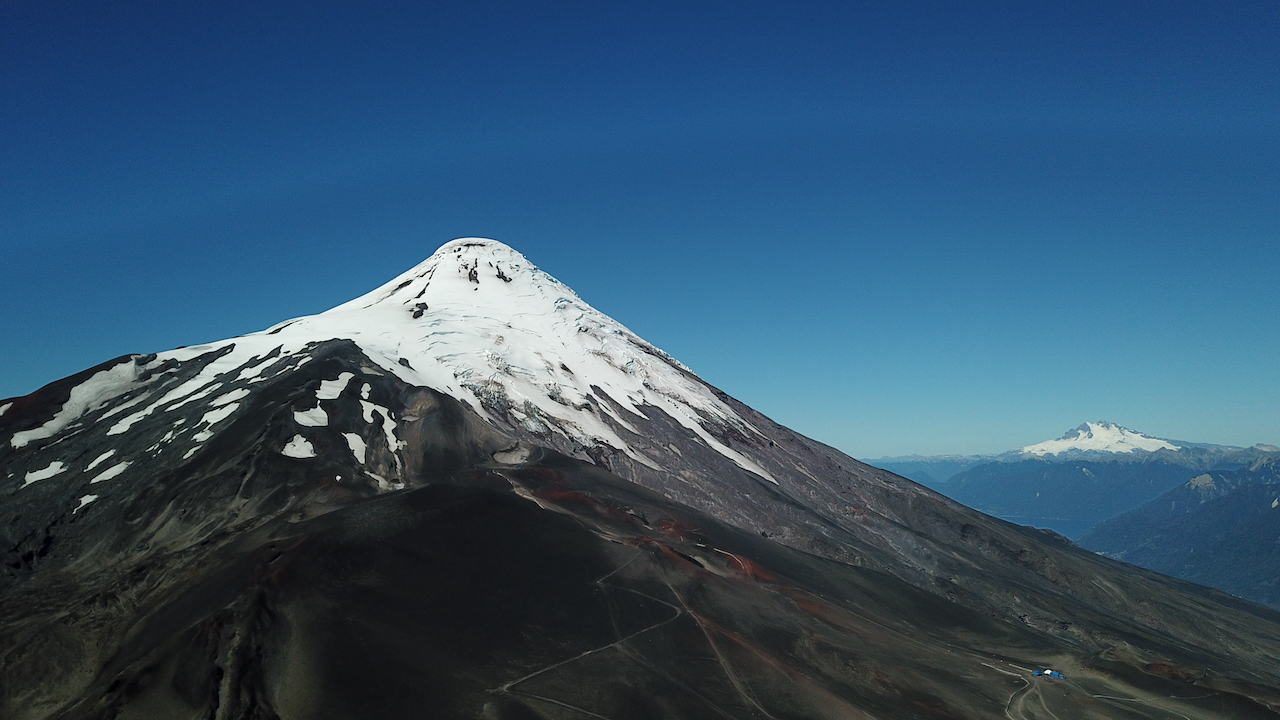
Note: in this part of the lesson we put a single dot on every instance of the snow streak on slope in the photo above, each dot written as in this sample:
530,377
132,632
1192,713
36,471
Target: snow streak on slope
1101,436
479,322
94,392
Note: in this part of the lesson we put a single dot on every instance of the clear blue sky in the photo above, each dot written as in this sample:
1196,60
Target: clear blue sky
896,227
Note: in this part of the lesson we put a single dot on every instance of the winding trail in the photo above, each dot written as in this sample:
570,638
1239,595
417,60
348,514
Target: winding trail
1026,685
511,687
506,687
1029,690
724,663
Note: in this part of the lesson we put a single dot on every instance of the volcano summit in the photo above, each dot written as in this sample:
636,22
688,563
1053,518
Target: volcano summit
470,494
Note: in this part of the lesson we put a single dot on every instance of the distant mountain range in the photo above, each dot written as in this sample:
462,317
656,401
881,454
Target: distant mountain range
1209,514
1092,473
1219,528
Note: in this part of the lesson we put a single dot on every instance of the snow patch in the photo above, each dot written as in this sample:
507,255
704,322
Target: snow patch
204,392
98,460
299,447
235,354
111,472
212,418
84,500
5,407
388,422
198,383
512,456
125,406
356,443
383,484
54,468
253,369
315,417
233,396
215,416
331,389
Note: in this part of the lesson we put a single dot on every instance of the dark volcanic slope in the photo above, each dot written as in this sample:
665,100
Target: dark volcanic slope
245,583
250,530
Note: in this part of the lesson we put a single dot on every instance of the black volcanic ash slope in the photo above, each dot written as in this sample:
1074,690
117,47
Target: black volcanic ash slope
284,526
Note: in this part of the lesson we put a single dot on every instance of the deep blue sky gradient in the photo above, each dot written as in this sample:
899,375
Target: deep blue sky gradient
895,227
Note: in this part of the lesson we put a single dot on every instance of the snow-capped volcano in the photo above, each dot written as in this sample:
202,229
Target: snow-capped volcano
1101,437
479,322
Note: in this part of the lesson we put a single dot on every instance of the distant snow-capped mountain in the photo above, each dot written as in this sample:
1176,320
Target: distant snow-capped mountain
1092,439
1093,472
1099,437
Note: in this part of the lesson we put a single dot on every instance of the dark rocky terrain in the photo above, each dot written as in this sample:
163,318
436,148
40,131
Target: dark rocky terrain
302,533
